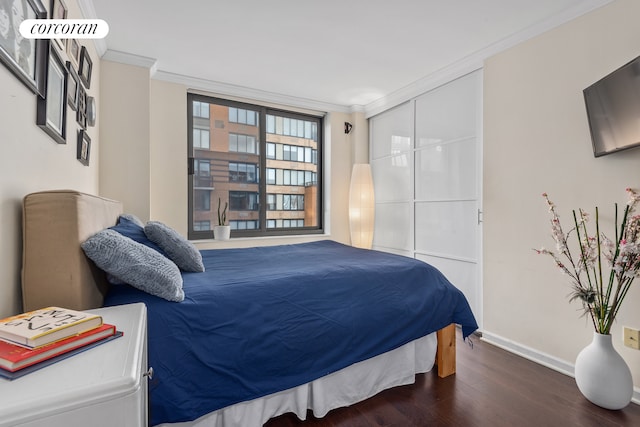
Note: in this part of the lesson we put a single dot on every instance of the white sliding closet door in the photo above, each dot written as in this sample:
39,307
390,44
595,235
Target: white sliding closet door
391,169
426,164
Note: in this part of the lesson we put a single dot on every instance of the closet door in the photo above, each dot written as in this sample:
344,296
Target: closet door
447,181
426,165
391,169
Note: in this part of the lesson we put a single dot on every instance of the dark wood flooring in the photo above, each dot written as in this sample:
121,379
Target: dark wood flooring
492,387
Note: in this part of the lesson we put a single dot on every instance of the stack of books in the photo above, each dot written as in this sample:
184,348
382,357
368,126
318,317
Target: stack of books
33,340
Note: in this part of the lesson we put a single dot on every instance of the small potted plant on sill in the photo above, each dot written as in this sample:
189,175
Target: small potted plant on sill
222,231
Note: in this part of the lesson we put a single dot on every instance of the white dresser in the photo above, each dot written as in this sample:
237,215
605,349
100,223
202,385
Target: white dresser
105,386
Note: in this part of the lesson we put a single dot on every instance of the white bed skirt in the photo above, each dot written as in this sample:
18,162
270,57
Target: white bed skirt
345,387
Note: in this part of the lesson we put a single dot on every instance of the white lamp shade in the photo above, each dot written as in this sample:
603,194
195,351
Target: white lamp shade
361,206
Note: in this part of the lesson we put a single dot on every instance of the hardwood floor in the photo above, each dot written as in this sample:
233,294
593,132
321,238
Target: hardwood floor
492,387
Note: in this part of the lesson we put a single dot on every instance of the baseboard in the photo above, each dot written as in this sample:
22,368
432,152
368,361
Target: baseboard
539,357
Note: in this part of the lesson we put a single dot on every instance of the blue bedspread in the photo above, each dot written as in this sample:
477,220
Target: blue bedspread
261,320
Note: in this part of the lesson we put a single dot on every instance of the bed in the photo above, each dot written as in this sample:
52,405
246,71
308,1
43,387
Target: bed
253,337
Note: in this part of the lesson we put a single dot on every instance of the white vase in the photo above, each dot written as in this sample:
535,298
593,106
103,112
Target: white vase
221,232
602,375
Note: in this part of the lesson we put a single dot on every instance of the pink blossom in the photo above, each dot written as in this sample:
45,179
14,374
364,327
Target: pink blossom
623,257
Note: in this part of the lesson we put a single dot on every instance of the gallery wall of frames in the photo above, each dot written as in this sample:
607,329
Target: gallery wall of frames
57,71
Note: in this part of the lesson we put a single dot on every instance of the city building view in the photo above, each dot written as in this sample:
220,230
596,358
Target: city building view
226,168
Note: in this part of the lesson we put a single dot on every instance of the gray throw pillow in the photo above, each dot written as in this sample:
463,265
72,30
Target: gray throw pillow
135,264
132,218
178,249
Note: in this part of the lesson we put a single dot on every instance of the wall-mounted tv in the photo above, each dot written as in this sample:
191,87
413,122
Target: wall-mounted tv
613,109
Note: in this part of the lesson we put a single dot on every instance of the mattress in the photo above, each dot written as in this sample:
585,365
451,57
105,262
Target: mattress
267,319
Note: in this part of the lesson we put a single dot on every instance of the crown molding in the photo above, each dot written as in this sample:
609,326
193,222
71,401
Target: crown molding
249,93
226,89
430,82
131,59
476,60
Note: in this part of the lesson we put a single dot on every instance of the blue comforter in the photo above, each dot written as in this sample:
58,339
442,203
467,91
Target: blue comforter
262,320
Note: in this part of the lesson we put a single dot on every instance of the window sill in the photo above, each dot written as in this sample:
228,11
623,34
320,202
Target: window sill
258,241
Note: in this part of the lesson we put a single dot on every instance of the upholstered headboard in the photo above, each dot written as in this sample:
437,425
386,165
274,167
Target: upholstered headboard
55,270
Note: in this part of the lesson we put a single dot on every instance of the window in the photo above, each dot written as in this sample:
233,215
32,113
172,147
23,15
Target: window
201,138
202,174
285,202
242,172
202,225
291,153
264,163
202,201
201,109
203,167
240,115
271,202
292,127
271,176
243,225
271,150
242,143
243,201
285,223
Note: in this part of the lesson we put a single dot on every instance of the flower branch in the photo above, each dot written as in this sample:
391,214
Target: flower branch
602,275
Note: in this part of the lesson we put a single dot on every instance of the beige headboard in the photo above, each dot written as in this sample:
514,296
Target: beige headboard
55,271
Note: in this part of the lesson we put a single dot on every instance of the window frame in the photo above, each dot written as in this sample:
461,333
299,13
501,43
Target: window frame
262,112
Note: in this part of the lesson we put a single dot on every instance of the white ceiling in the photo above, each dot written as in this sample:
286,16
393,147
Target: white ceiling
343,52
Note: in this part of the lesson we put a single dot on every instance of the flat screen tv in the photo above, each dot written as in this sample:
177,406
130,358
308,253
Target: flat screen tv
613,109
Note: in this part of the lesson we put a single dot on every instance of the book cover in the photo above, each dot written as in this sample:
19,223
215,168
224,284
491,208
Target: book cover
29,369
40,327
14,357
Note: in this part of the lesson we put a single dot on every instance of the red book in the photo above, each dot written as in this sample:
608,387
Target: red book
14,357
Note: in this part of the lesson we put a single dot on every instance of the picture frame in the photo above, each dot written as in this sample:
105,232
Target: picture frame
25,58
73,83
81,113
90,110
73,52
59,11
84,147
51,113
86,65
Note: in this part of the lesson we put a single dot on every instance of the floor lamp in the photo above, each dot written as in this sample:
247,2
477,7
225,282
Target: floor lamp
361,206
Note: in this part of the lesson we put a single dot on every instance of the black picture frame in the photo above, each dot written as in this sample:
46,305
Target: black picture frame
25,58
90,110
73,84
51,113
81,113
59,11
84,147
86,65
73,52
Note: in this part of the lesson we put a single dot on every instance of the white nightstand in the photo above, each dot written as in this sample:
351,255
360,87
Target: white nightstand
104,386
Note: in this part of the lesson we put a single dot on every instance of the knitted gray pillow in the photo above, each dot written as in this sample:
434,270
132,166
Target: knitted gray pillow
135,264
132,218
178,249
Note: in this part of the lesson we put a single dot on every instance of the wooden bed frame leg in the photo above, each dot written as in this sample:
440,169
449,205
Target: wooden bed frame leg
446,353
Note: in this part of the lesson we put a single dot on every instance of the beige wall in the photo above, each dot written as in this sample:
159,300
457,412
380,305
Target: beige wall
125,136
30,160
536,140
145,154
